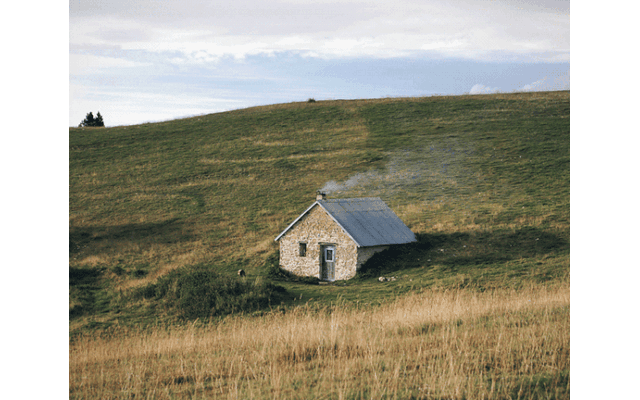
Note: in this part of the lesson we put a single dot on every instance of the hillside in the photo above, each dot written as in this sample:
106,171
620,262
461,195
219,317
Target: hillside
482,180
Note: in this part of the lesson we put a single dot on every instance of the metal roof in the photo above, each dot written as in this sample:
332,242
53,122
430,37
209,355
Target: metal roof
368,221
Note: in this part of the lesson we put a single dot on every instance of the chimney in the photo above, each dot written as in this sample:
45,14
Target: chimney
320,195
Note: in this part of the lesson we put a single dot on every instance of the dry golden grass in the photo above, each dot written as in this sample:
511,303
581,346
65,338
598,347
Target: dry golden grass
450,344
94,260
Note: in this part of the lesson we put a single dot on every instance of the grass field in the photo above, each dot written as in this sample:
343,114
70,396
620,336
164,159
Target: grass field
482,180
442,344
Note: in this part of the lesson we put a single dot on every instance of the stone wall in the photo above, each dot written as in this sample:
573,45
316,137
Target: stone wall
314,228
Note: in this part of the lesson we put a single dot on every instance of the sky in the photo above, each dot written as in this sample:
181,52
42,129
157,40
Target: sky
139,61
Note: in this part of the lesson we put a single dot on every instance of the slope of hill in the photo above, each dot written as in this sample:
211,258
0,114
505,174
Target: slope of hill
482,180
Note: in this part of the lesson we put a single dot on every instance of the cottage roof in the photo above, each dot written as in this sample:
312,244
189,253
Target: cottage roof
368,221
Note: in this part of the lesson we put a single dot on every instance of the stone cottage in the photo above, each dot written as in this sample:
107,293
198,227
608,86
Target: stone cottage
333,237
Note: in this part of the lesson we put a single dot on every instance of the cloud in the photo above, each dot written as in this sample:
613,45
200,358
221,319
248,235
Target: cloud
558,82
535,86
80,64
471,29
482,89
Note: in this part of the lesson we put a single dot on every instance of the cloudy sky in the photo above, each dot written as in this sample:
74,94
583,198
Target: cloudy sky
137,61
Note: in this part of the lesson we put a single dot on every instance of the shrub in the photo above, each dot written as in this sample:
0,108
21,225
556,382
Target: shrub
201,292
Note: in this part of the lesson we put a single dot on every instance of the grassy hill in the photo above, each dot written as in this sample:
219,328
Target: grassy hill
482,180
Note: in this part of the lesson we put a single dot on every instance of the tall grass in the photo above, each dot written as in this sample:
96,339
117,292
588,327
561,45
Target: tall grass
451,344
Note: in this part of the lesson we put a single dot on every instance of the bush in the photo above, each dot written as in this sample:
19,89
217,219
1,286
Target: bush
201,292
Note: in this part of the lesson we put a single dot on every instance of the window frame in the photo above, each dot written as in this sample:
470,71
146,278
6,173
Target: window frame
332,251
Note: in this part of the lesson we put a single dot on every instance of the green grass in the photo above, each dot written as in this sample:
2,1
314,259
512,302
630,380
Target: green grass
482,180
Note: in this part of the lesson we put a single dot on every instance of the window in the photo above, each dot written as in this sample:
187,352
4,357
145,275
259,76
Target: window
303,250
328,255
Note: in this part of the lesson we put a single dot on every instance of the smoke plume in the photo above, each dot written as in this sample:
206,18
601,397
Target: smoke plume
434,169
